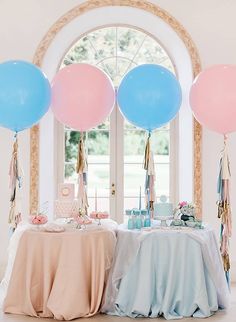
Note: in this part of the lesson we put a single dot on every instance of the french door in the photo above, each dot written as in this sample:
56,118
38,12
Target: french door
116,148
115,153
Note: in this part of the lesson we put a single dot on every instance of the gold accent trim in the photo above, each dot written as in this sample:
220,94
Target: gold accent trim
43,47
34,168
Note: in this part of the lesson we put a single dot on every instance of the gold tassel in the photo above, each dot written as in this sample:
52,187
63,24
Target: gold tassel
226,262
147,154
81,161
151,205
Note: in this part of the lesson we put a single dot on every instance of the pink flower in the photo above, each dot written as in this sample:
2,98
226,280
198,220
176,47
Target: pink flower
182,204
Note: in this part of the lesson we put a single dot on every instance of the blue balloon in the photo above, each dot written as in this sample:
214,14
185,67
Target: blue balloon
25,95
149,96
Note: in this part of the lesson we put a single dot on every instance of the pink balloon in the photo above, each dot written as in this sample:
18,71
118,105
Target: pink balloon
213,98
82,96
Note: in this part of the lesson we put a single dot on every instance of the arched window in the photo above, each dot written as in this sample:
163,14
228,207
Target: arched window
116,147
165,42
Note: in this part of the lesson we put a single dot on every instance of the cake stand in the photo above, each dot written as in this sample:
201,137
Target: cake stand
163,220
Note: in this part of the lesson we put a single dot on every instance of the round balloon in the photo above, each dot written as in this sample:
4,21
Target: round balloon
82,96
25,95
213,98
149,96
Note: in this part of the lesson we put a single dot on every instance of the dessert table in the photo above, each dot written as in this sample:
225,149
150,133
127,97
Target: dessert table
57,274
174,271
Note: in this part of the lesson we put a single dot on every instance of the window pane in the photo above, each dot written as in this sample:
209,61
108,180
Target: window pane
134,177
71,145
81,52
98,142
98,159
134,142
129,41
162,179
161,159
70,174
130,203
151,52
98,177
102,204
160,142
103,40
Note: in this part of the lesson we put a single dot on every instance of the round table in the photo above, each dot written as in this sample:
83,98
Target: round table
60,275
166,271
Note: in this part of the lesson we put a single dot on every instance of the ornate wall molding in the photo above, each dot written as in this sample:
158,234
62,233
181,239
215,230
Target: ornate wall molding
34,168
47,40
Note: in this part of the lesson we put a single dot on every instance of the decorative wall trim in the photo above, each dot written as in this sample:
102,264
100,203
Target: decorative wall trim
34,168
43,47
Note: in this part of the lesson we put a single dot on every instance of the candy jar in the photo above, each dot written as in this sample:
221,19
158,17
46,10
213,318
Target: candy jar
139,222
131,220
147,220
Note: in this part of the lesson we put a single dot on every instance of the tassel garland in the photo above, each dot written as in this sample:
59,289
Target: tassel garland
224,209
150,175
81,169
15,184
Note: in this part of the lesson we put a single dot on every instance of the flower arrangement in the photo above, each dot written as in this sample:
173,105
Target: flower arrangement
186,205
185,209
39,218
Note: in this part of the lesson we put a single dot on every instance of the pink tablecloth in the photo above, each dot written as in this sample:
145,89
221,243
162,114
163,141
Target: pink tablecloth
60,275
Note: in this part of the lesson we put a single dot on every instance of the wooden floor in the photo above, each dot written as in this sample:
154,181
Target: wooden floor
229,316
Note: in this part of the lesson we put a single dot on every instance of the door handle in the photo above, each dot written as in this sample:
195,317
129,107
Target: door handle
113,189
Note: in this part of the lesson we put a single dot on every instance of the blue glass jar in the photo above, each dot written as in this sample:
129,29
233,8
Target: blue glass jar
147,220
131,220
139,222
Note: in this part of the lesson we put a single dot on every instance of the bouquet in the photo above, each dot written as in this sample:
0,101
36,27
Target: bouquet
186,210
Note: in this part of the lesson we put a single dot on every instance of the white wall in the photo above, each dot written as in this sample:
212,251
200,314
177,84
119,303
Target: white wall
212,26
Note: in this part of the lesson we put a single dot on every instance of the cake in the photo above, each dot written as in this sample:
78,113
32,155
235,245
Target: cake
163,208
66,208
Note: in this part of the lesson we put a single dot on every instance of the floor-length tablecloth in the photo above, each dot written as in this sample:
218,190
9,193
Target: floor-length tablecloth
60,275
166,272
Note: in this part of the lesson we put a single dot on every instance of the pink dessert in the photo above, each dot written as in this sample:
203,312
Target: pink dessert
102,215
99,215
38,219
83,220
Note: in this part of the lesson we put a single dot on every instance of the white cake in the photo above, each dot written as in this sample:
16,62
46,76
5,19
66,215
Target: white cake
66,208
163,208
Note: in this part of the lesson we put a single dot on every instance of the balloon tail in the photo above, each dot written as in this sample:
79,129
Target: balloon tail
150,175
224,209
15,184
81,170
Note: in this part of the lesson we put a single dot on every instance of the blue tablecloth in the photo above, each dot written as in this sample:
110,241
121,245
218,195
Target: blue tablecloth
174,273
